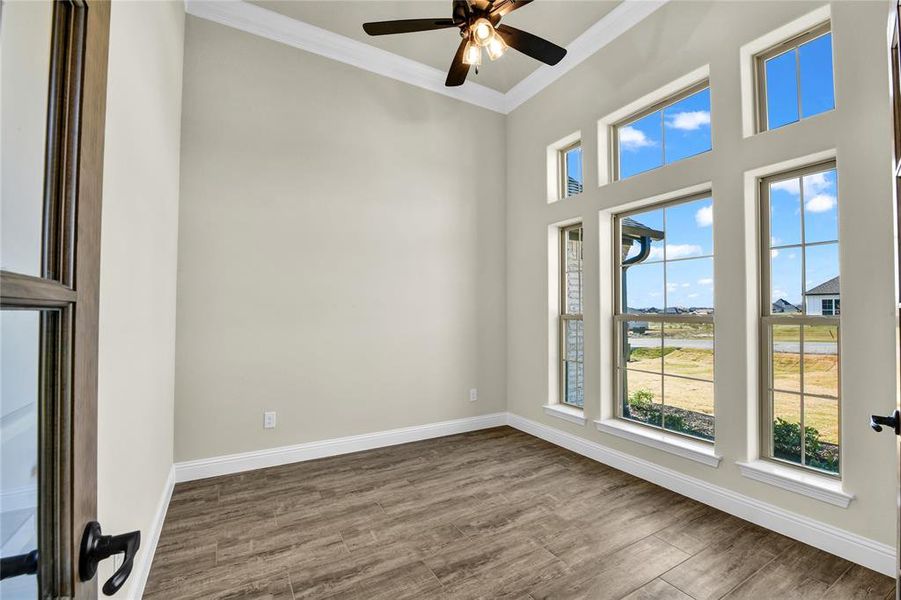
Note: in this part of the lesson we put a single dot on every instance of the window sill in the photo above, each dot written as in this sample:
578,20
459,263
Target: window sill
818,487
697,451
567,413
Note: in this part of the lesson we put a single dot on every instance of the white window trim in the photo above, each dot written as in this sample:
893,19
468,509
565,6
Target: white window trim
606,151
749,51
565,412
553,165
680,445
806,483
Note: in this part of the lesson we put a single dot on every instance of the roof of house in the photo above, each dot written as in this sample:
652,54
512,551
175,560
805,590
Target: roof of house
783,305
827,288
633,228
573,186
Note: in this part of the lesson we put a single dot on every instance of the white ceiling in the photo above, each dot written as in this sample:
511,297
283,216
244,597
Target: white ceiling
559,21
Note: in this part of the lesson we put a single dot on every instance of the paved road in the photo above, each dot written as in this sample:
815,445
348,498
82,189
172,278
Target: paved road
793,347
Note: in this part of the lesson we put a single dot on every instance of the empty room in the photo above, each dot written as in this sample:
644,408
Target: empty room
450,299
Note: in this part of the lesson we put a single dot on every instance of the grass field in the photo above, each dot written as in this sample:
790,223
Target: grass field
820,377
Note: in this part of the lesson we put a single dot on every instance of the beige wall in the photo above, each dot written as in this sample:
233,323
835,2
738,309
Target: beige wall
138,266
341,250
637,63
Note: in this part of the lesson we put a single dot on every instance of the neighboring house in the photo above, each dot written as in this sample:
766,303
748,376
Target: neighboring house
824,299
573,186
784,306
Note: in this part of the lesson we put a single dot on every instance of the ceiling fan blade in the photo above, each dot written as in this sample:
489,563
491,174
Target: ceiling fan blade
505,7
406,26
531,45
458,70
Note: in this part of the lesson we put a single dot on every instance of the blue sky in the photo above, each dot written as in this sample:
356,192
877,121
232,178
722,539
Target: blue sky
799,84
820,227
688,269
574,164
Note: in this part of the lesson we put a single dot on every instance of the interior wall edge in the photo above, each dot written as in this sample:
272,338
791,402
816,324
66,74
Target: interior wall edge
148,549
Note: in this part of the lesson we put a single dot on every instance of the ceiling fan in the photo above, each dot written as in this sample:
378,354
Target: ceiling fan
479,24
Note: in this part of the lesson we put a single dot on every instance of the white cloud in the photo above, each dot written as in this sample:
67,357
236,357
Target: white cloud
789,185
633,139
686,285
671,287
704,216
689,120
820,203
674,251
774,253
706,281
693,295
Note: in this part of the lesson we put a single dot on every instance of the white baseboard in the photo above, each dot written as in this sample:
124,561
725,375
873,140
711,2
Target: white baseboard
863,551
144,559
271,457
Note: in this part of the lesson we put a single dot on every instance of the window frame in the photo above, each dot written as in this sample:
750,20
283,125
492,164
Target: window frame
565,315
619,316
563,171
768,318
640,114
760,59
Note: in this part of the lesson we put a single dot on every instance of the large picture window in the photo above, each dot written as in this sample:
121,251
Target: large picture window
800,321
572,344
664,316
795,79
669,131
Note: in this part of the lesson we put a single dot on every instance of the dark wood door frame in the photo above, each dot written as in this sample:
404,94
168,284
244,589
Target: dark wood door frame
68,291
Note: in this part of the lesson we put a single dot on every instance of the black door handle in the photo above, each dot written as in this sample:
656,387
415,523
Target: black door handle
893,421
23,564
96,547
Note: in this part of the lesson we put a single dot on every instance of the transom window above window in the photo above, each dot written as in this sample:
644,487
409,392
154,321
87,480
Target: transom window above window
801,308
664,316
571,180
667,132
795,79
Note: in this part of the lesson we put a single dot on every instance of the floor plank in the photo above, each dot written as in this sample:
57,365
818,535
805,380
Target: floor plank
483,515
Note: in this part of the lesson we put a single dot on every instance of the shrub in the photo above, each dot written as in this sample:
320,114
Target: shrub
787,445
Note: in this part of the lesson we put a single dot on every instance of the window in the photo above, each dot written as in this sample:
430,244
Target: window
664,316
669,131
795,79
800,321
572,372
571,181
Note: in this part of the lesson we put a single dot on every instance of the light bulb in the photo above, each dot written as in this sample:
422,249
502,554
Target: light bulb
482,31
496,47
472,55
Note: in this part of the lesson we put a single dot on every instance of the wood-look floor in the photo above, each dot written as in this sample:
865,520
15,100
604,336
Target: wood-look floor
489,514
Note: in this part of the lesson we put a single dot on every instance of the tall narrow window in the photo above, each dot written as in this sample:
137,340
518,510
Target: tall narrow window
795,79
572,371
571,180
801,308
667,132
664,316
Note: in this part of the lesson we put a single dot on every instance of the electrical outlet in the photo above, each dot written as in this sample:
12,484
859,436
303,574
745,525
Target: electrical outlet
269,420
473,395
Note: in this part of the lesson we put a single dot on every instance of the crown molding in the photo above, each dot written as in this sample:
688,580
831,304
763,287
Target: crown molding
274,26
615,23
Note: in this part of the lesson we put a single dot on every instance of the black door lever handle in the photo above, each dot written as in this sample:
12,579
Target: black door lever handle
893,421
96,547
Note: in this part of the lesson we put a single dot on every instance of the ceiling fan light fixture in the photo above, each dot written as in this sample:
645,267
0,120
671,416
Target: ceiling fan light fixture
496,47
472,55
482,31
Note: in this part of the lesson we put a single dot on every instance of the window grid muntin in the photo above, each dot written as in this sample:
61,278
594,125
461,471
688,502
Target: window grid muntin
802,319
637,116
566,316
621,318
792,44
